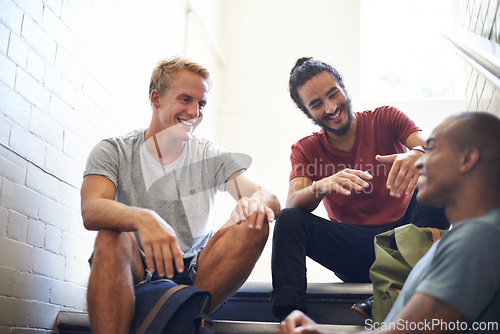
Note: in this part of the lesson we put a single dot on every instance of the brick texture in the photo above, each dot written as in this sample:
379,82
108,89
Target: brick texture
72,73
482,18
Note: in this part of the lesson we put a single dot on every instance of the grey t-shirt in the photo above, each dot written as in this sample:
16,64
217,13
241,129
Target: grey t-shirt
461,269
182,193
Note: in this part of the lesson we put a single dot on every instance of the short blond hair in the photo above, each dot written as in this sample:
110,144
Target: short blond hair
163,76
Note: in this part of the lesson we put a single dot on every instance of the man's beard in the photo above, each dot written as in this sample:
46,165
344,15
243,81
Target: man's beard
343,130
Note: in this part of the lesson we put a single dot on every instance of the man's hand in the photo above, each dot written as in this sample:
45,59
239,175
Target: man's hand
245,209
343,182
298,323
403,176
160,245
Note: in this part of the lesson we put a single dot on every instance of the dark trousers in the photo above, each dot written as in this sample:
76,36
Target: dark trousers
347,250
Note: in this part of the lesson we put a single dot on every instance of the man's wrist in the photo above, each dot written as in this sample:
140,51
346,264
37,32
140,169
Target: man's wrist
319,189
419,148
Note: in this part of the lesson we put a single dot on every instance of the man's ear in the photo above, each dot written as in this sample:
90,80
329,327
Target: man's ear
155,98
470,159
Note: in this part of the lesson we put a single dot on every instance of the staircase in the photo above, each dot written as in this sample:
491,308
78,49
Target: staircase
249,310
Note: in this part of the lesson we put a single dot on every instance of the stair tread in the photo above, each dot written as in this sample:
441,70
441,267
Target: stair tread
329,303
314,288
71,319
222,326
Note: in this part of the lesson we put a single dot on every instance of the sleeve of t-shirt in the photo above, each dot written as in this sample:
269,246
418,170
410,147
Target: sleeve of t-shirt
399,124
103,160
465,271
227,164
300,163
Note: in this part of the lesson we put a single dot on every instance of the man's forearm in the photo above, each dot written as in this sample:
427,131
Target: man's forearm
307,198
109,214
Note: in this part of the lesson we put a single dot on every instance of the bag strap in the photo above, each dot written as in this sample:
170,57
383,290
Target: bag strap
154,311
435,234
203,325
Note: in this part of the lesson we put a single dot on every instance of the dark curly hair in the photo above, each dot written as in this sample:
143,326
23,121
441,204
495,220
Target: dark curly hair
305,68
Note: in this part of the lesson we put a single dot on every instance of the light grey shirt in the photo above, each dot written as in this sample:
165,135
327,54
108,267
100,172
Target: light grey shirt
182,193
461,269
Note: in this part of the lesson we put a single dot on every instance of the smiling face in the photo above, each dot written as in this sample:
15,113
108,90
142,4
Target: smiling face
327,103
180,109
439,172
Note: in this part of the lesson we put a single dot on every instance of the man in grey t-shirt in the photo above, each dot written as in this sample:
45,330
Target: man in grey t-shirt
455,287
150,195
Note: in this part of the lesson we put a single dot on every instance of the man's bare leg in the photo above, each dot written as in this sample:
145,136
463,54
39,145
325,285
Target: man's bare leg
110,293
228,259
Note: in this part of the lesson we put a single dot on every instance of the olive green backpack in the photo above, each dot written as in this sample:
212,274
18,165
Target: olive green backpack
396,253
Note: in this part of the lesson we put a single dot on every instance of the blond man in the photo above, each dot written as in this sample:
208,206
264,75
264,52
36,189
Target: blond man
150,195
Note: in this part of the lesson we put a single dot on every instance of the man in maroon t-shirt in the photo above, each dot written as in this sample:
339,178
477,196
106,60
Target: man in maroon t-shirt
361,165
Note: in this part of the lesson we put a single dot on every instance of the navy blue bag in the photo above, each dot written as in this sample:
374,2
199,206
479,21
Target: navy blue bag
163,306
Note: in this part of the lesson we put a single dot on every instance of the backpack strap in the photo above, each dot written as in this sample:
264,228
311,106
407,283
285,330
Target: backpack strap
435,234
203,325
154,311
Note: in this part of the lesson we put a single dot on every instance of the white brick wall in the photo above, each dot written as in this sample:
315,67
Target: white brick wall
481,18
71,73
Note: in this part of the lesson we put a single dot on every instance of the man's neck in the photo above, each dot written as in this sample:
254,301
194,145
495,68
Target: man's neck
470,207
162,147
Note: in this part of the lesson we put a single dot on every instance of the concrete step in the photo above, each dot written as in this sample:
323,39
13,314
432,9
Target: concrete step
78,323
70,322
249,310
327,303
247,327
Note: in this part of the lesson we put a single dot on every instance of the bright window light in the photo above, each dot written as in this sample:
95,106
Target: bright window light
403,53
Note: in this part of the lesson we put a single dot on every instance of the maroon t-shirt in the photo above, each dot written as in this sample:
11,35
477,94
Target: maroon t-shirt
382,131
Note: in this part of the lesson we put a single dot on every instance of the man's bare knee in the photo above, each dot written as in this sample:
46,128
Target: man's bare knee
251,236
116,249
110,242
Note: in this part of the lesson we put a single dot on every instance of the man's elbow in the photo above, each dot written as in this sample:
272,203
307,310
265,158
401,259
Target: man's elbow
275,204
87,223
271,200
87,217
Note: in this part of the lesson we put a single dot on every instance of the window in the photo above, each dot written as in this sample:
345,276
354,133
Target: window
403,53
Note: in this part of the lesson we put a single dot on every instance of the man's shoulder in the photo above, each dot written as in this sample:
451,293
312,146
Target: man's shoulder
388,118
130,137
123,141
379,112
117,146
311,140
486,226
476,233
